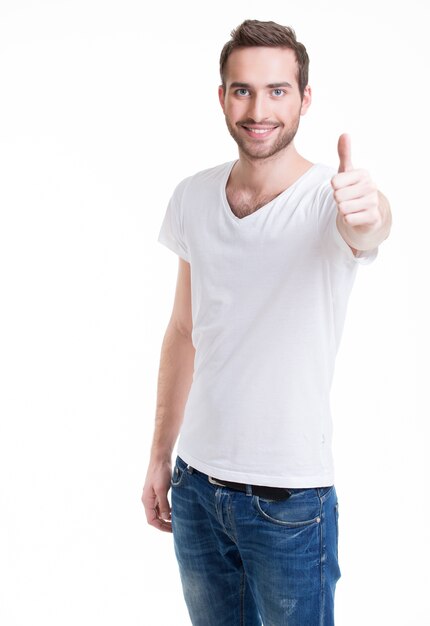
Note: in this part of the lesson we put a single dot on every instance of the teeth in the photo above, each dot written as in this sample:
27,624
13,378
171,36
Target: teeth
260,131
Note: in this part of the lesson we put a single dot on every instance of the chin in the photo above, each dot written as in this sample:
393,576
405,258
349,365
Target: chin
264,152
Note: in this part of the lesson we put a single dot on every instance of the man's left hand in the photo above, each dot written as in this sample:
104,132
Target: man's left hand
364,216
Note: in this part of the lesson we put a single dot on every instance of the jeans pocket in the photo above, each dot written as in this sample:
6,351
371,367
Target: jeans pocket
302,508
336,521
179,472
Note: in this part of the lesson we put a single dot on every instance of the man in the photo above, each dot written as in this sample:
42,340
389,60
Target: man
269,246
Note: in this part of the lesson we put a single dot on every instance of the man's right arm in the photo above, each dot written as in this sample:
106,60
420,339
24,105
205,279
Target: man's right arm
174,383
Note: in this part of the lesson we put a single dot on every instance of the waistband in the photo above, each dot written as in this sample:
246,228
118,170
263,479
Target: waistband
270,493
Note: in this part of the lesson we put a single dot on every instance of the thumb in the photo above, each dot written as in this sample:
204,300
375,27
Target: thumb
163,506
344,150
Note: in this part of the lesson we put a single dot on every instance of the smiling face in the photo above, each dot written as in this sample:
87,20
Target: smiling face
261,101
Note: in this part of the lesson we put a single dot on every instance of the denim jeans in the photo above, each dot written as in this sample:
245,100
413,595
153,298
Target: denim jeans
245,560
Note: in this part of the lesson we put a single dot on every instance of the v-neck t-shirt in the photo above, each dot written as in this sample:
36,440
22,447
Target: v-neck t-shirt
269,296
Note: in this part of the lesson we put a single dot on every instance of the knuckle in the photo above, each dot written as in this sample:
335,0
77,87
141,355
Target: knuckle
370,218
371,189
376,218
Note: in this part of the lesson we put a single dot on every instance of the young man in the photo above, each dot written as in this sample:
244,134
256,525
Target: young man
269,246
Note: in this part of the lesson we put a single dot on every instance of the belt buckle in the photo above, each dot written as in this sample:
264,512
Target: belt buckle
215,482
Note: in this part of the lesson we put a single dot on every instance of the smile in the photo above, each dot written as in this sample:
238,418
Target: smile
259,131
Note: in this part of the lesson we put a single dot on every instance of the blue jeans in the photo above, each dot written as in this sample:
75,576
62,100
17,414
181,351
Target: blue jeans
244,559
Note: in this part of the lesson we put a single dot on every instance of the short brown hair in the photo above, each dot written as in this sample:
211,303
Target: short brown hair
269,34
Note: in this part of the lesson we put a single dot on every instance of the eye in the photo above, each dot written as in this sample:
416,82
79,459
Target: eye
240,91
278,92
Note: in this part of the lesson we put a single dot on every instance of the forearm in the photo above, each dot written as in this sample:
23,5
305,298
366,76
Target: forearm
174,383
370,235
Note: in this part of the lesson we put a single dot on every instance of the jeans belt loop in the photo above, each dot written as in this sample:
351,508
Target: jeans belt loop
215,482
276,493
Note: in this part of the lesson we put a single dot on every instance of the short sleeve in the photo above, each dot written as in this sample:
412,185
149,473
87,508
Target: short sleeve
171,233
333,242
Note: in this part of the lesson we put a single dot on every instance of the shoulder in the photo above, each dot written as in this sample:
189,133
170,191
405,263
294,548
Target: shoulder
213,173
322,174
206,177
319,183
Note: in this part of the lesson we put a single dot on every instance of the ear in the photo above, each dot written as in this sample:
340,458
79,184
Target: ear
307,99
221,96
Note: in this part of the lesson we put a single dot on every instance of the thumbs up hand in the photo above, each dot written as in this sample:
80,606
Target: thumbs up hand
355,193
344,150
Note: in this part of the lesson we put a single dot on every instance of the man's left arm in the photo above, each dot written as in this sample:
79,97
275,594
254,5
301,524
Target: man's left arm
364,215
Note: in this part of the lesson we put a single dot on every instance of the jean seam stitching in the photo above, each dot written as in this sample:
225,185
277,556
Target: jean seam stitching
282,523
322,563
242,598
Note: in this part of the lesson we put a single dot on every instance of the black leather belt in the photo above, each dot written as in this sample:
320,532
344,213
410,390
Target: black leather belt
270,493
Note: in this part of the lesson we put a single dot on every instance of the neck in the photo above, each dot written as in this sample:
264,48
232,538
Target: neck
273,173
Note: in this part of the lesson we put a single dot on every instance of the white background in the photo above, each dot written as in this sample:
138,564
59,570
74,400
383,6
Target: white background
104,108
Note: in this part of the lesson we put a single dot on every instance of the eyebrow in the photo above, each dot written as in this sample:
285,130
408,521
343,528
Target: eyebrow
270,85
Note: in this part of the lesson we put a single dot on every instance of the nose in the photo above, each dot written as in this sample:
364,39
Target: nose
258,109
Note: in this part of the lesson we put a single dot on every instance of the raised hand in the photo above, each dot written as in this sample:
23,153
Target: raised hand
355,193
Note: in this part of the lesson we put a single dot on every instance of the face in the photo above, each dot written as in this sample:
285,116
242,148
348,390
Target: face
261,103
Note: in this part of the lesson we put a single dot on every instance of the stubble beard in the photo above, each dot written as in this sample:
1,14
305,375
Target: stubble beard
255,151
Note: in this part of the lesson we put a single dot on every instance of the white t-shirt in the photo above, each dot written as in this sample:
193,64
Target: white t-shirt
269,297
